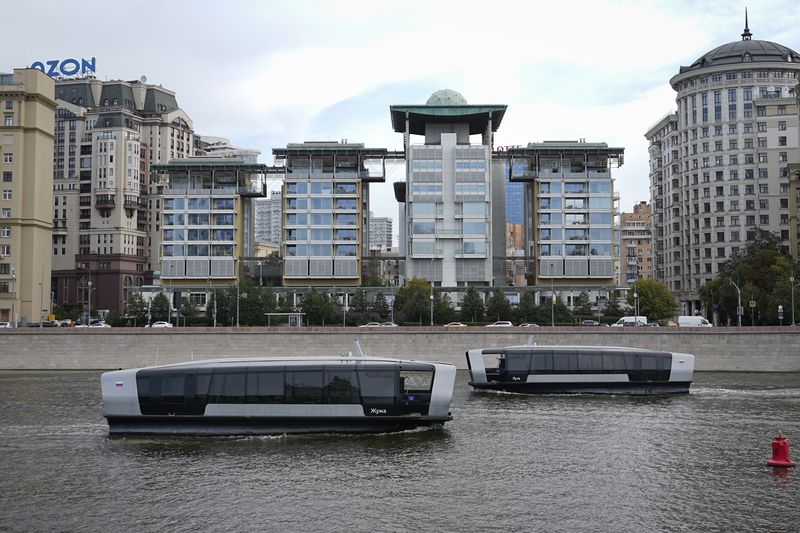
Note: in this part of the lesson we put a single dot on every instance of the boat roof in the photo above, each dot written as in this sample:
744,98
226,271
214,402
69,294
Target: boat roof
561,347
303,360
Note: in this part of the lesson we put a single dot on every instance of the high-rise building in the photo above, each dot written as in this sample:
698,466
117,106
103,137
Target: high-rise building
636,237
719,165
326,210
268,216
106,209
206,222
26,142
447,201
570,226
380,233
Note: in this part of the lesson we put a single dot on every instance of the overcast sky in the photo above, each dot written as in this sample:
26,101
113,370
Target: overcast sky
265,74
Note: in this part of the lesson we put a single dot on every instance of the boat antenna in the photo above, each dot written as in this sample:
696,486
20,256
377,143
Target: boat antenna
359,352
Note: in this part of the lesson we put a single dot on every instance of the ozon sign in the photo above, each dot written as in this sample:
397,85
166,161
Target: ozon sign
61,68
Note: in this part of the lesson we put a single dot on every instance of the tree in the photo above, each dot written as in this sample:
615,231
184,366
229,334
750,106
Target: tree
159,307
498,307
381,307
412,301
583,305
472,308
560,313
526,310
612,308
313,305
655,300
359,302
443,311
136,309
189,312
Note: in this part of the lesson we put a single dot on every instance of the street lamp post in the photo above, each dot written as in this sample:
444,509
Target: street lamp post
169,308
791,280
739,301
41,301
14,297
552,296
237,303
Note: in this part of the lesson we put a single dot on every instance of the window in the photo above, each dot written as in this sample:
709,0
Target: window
5,232
9,121
5,249
9,104
8,158
7,177
782,126
6,194
6,213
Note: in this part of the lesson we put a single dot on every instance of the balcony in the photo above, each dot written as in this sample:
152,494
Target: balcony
104,201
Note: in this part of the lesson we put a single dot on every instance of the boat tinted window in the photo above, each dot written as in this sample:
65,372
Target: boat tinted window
614,363
565,361
341,386
590,362
143,387
227,387
377,384
265,386
304,386
518,361
650,362
541,362
417,381
173,389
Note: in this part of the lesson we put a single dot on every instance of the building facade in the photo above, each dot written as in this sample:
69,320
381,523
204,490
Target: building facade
636,239
326,211
719,165
26,142
106,208
570,214
380,233
268,217
207,213
447,200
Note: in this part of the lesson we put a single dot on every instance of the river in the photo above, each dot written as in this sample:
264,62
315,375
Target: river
504,463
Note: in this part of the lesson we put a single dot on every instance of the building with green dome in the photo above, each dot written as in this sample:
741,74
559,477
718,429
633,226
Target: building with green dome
446,203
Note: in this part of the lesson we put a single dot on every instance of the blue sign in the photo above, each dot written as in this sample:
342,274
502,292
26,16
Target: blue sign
60,68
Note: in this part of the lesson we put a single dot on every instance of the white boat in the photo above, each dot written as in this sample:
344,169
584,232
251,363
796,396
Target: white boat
338,394
580,370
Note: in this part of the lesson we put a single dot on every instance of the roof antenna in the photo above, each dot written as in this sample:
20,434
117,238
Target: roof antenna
357,347
746,36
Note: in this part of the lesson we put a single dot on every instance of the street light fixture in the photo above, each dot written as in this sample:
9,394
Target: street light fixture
739,301
791,280
552,296
14,297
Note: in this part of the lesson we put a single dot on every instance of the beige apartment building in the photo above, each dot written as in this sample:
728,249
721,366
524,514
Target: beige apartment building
636,238
719,166
106,208
26,141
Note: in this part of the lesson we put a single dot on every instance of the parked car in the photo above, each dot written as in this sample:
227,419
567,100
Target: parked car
630,321
5,324
500,324
590,323
455,325
98,324
161,324
694,322
528,325
370,325
388,325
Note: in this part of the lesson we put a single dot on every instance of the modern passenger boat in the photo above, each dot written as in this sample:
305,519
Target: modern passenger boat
266,396
580,370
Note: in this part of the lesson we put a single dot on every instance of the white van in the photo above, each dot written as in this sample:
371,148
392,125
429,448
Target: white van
630,321
693,322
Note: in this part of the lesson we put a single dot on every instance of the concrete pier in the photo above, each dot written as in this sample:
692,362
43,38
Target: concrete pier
759,349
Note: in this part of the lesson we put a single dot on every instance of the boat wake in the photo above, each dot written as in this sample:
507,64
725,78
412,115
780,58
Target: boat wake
713,392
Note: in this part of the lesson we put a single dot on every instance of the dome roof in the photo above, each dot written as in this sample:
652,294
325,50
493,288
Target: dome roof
744,51
446,97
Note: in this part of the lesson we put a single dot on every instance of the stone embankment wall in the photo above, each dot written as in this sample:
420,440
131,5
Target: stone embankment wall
718,349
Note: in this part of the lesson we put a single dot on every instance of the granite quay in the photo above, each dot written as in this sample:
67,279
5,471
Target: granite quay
759,349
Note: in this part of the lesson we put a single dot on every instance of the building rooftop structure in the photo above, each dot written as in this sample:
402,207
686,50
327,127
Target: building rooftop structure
446,106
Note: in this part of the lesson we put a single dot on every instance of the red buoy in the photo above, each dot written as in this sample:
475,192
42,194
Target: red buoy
780,452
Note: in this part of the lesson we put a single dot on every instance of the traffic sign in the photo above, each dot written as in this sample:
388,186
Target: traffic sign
752,303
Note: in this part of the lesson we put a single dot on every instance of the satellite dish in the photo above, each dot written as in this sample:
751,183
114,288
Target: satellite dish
143,79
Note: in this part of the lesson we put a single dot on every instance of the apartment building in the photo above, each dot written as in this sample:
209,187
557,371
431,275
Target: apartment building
446,203
326,210
718,167
380,233
570,214
636,238
268,217
106,208
26,141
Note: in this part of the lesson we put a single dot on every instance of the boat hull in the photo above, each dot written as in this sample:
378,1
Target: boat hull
209,425
627,388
